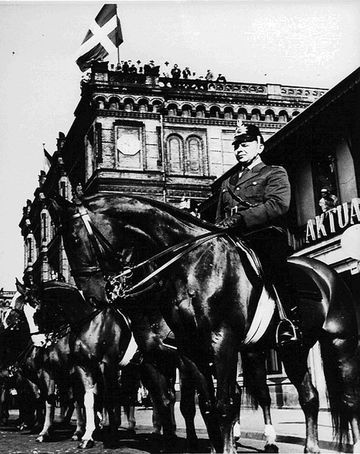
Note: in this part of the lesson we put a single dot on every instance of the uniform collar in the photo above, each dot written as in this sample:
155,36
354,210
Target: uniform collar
241,176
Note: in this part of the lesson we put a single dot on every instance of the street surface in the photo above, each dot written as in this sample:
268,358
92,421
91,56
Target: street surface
288,423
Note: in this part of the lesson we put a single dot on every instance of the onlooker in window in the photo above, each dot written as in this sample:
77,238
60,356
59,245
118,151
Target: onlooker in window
327,200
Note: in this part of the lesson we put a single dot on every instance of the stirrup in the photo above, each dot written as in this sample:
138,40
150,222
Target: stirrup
292,328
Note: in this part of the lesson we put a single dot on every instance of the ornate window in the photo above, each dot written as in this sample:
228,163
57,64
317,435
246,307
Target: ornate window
143,106
44,226
283,116
128,105
172,110
100,103
200,112
228,113
193,156
255,115
215,112
114,104
269,115
242,114
186,111
175,154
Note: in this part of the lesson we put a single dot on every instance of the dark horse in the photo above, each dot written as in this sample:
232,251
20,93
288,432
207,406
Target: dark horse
210,290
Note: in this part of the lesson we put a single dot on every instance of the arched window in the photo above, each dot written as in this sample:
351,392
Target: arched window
200,112
242,114
193,156
283,116
255,115
172,110
143,106
269,115
114,104
228,113
175,154
156,106
128,105
100,103
215,112
186,111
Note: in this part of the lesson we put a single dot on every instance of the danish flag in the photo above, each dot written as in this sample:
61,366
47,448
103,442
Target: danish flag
103,36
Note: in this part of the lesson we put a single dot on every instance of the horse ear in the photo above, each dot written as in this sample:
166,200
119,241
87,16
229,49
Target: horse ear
20,287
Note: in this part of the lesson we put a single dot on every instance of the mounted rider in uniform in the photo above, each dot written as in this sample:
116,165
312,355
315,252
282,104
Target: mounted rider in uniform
254,202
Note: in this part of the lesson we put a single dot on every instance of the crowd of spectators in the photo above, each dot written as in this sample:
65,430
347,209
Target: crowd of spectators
131,70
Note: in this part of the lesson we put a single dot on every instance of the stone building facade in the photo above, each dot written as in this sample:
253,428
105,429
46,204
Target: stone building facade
154,136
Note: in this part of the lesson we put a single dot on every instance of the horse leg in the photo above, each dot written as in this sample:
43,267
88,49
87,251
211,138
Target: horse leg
227,395
45,433
206,395
129,411
187,407
111,399
254,372
156,420
87,440
80,421
295,364
157,385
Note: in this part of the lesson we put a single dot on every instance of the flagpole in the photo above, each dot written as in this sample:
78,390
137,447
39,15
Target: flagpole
117,48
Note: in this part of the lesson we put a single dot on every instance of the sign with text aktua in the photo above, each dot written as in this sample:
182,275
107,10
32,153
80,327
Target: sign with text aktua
333,221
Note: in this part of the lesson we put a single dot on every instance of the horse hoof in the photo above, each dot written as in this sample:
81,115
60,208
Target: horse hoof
42,438
76,437
312,451
86,444
271,448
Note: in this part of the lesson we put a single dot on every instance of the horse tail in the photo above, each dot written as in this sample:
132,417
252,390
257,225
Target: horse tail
340,352
341,379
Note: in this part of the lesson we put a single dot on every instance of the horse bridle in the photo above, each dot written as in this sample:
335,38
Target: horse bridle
118,287
99,243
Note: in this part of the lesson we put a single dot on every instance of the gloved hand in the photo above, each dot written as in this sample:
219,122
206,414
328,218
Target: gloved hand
233,222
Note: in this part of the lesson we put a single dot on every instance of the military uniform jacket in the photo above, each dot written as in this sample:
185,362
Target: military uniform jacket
259,197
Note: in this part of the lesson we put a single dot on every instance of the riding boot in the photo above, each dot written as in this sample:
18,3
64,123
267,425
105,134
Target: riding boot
288,330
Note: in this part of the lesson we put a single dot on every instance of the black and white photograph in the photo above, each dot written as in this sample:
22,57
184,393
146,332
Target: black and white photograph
180,226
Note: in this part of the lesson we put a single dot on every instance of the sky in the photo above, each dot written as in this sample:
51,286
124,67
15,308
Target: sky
307,43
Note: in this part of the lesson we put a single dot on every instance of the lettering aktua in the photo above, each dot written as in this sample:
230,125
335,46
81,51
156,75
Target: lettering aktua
333,220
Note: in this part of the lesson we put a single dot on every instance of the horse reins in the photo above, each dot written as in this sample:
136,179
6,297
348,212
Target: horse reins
98,241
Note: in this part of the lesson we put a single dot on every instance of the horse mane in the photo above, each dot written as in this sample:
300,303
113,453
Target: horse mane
187,218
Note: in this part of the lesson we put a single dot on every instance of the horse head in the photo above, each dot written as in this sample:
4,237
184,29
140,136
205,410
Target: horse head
22,309
84,261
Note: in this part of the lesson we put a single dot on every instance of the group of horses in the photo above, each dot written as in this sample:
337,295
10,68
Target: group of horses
191,297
